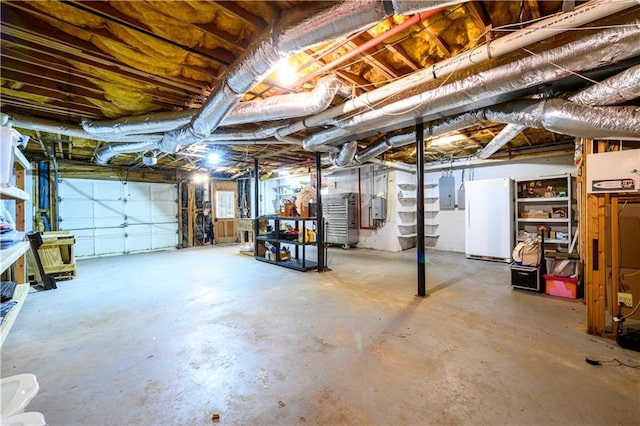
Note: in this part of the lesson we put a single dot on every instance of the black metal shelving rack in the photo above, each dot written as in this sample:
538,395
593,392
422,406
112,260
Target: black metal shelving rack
298,260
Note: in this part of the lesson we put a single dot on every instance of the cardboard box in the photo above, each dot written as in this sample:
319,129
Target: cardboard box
561,286
534,215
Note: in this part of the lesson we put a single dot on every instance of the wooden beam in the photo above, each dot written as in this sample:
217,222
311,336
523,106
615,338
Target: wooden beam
243,15
534,8
106,12
37,37
402,56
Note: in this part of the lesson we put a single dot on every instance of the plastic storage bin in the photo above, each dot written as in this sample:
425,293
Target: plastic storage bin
561,286
562,267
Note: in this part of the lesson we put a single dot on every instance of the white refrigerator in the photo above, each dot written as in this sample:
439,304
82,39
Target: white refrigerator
489,219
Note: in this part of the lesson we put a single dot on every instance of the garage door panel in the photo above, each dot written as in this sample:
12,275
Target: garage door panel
76,209
95,212
78,189
84,242
138,191
139,210
164,192
108,209
74,224
107,222
164,209
164,236
108,190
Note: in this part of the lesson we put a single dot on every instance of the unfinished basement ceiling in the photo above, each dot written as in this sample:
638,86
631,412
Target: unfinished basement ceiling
76,73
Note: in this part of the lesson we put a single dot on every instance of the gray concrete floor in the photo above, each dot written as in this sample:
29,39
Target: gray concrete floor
169,338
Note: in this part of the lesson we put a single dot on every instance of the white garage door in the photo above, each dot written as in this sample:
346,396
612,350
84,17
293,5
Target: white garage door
112,217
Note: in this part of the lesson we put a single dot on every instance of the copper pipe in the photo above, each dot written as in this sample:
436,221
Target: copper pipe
415,19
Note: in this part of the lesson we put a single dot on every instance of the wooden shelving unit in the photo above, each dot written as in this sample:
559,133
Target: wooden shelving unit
13,259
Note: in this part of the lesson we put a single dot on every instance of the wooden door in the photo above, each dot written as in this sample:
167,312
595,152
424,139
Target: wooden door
225,211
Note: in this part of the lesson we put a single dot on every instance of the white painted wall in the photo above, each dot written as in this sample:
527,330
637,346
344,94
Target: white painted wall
451,222
448,224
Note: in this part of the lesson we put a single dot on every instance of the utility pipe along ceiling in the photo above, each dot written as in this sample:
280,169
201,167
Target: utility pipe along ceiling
162,84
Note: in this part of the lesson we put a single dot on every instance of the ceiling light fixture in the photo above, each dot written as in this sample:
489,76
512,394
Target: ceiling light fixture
286,75
213,158
200,177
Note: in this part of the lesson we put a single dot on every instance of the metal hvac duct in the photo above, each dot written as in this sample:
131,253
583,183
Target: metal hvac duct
587,53
346,154
273,108
441,127
103,155
298,29
614,90
568,118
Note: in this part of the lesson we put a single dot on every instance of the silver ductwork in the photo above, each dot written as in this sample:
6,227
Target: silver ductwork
103,155
611,91
288,106
506,135
299,29
441,127
569,118
273,108
587,53
50,126
346,154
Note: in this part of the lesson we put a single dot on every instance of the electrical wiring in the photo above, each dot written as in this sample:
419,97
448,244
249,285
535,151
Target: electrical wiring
615,362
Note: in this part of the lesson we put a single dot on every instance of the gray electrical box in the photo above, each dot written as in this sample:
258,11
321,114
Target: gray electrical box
447,184
379,208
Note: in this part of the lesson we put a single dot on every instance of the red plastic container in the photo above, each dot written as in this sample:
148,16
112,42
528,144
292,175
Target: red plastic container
561,286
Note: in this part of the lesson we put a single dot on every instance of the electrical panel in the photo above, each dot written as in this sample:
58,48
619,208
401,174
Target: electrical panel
379,208
447,186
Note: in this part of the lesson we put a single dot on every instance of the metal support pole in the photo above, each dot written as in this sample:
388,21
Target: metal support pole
256,222
422,288
319,218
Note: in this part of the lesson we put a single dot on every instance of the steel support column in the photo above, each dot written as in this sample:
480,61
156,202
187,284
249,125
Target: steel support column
422,288
256,222
319,217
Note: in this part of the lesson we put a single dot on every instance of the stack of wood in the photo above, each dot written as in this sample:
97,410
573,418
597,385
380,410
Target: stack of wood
57,254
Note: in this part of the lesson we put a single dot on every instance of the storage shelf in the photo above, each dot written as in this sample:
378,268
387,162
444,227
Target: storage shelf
530,199
276,217
292,263
407,235
541,219
431,235
21,160
407,186
12,254
430,185
13,193
538,200
549,241
283,241
19,296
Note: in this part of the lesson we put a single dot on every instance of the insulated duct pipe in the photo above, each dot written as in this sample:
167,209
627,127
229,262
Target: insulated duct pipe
50,126
569,118
103,155
346,154
611,91
539,31
586,53
614,90
442,127
273,108
297,30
